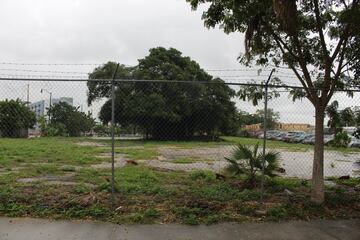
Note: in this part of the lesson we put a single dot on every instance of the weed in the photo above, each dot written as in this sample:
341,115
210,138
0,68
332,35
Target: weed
204,175
152,213
277,213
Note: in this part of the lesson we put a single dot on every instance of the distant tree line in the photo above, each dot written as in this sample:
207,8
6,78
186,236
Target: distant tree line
338,119
15,118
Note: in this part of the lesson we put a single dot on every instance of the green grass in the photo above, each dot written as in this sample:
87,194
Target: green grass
14,152
143,194
187,160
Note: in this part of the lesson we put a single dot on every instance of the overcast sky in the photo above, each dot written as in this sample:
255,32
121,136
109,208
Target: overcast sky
89,31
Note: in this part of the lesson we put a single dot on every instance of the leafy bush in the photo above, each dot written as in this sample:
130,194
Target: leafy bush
66,120
248,162
341,139
15,117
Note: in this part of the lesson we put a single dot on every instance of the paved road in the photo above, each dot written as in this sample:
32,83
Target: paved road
31,229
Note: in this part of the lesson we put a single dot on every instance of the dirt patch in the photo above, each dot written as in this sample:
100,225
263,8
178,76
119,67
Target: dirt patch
214,166
120,161
296,164
64,178
91,144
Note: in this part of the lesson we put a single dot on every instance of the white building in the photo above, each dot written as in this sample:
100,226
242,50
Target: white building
41,107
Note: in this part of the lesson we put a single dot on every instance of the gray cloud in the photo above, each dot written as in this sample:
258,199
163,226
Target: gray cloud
73,31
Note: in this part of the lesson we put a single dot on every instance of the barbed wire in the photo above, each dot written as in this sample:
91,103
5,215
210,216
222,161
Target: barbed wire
50,64
39,71
354,88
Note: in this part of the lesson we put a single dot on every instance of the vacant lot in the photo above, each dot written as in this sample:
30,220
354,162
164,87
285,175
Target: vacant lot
155,182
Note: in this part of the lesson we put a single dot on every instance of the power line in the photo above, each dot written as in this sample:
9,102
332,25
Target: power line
50,64
44,71
41,76
236,70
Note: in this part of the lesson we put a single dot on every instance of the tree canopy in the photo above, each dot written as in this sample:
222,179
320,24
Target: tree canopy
318,40
15,116
67,120
168,110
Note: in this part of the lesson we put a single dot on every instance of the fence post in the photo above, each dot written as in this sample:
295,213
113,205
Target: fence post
265,129
113,138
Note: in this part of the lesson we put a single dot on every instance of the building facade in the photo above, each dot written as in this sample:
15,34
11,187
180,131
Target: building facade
40,108
286,127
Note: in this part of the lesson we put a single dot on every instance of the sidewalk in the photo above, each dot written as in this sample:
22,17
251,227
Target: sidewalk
37,229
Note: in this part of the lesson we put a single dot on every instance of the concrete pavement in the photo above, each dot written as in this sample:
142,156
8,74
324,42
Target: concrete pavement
31,229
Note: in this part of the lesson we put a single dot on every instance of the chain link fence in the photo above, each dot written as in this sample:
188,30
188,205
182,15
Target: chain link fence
168,126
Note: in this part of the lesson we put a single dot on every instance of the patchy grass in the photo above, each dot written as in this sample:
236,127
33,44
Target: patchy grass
187,160
352,182
146,195
15,152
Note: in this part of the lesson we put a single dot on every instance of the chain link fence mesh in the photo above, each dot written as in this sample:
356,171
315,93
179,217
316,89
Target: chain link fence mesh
172,126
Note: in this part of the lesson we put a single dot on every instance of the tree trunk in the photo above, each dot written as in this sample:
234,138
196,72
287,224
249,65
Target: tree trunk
317,186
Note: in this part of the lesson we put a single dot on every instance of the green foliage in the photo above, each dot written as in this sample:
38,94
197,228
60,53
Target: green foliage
341,139
15,117
167,110
103,130
272,117
66,120
207,176
247,161
245,118
318,40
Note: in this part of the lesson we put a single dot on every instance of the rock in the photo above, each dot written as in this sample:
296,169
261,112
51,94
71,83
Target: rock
288,192
329,183
261,212
161,158
281,170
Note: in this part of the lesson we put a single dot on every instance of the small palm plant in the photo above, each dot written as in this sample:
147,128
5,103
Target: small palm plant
247,161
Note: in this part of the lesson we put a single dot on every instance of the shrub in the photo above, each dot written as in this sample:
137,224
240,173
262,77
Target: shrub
247,161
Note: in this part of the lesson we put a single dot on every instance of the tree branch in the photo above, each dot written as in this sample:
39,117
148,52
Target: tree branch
309,95
338,73
320,30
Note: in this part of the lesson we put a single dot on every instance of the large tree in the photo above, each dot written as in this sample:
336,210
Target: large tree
68,120
15,117
166,110
318,40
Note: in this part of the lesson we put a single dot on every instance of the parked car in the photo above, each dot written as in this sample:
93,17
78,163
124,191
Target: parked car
299,138
328,139
310,139
354,142
307,137
291,135
269,134
277,136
